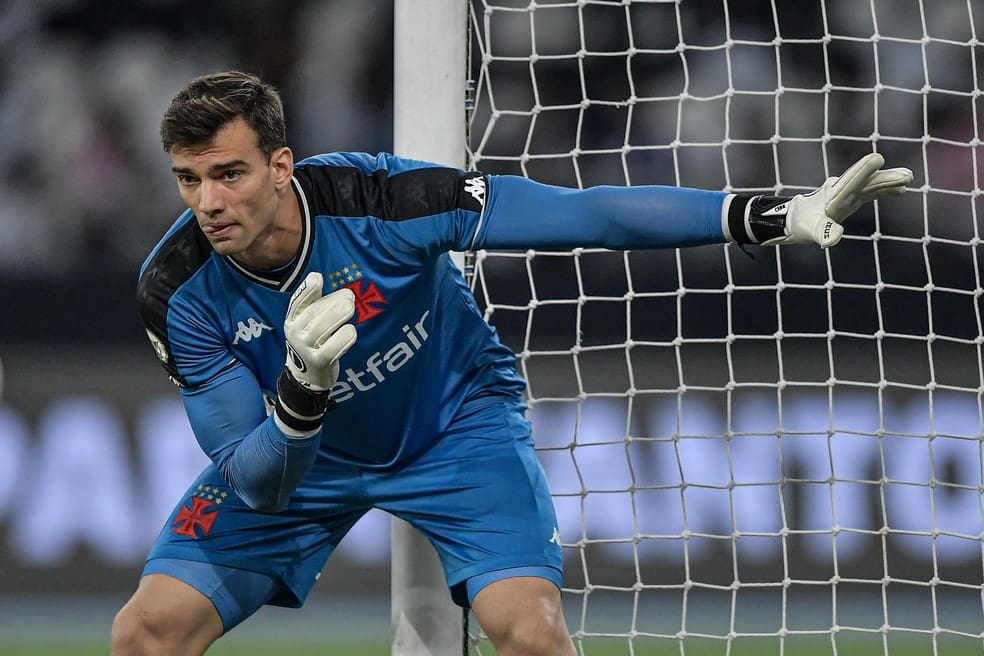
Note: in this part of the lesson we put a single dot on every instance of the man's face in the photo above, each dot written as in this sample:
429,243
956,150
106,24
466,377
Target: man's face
230,186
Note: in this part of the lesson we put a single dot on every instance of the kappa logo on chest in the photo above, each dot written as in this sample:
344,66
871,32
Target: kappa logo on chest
249,330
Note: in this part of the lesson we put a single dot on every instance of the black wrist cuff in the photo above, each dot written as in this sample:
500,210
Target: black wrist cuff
757,219
767,217
736,219
298,407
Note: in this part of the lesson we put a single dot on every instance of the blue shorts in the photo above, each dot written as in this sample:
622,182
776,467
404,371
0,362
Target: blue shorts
479,495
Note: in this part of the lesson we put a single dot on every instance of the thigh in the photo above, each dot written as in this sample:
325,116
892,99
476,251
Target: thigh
481,497
212,525
234,594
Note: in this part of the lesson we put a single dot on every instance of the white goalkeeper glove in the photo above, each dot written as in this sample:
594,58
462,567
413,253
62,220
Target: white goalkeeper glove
318,335
814,218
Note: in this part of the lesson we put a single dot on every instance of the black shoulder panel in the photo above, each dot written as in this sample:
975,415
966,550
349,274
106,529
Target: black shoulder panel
351,192
177,260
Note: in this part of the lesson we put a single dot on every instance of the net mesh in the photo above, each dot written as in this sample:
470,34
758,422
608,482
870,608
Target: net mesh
780,450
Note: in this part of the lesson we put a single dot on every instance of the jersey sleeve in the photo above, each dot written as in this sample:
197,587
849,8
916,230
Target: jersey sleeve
520,214
420,210
183,330
185,341
261,464
415,210
198,351
225,407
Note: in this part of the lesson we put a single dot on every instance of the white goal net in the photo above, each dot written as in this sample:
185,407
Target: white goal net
771,454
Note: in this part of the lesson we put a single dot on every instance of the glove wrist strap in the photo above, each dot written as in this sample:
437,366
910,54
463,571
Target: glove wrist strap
757,219
298,408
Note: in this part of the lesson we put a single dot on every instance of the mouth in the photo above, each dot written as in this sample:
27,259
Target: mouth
217,229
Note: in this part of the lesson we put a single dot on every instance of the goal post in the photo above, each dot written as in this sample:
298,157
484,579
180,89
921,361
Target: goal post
428,124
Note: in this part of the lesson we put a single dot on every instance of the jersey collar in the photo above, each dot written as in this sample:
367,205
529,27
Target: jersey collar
300,263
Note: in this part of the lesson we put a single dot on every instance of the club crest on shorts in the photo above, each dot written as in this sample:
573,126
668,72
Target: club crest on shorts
368,299
196,520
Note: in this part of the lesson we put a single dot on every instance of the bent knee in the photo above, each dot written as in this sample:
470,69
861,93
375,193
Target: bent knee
540,629
135,633
141,630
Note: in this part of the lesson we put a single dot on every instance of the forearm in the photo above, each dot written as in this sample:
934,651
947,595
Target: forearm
266,467
261,463
524,214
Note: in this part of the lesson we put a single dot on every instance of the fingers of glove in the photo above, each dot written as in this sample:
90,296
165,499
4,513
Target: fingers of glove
859,173
307,293
324,316
337,344
886,183
845,194
325,356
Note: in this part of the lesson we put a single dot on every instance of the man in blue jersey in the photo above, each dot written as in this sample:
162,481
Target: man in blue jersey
332,360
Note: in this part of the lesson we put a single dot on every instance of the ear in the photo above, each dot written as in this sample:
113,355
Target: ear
282,161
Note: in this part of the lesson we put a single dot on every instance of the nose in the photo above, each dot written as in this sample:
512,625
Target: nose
210,199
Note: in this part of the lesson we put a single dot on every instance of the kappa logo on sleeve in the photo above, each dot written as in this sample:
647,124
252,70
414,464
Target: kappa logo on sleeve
476,187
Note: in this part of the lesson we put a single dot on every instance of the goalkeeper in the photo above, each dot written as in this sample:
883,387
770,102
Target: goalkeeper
331,360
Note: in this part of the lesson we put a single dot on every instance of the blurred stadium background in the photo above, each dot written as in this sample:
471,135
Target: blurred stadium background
85,191
94,448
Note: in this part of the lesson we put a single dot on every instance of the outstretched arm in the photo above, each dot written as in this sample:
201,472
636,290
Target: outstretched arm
523,214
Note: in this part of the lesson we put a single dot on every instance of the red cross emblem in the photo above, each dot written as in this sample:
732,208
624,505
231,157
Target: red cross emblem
366,301
194,518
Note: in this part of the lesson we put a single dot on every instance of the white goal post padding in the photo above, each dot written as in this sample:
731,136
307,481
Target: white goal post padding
751,451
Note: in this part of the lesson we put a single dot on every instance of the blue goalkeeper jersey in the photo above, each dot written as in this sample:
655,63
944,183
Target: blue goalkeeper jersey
381,226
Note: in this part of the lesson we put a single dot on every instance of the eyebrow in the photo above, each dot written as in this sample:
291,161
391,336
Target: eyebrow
221,166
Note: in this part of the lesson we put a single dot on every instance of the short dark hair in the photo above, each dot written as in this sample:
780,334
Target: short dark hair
208,102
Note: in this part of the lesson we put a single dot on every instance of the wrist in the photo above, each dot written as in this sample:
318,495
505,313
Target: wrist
756,219
299,412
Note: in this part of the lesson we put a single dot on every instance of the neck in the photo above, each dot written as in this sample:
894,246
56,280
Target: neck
281,241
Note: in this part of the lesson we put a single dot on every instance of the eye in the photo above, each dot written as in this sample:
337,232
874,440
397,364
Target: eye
231,175
186,180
